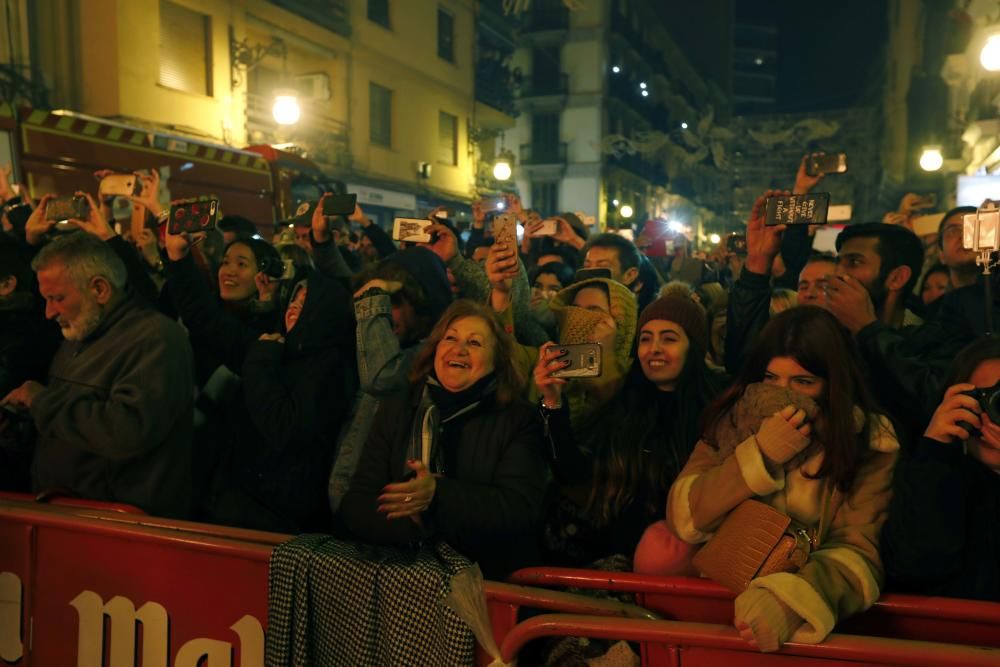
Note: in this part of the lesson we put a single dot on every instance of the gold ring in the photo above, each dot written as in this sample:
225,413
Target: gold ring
407,499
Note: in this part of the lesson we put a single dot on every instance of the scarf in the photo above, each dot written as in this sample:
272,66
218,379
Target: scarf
438,407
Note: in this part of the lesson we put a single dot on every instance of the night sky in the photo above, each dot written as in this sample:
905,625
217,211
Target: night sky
830,53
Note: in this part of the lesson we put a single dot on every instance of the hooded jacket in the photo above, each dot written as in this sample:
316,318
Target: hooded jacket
296,396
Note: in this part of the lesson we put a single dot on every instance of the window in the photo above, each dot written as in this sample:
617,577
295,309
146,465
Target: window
447,138
380,114
185,49
446,36
545,130
545,197
378,12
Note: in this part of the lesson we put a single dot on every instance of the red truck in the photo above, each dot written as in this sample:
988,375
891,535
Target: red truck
59,151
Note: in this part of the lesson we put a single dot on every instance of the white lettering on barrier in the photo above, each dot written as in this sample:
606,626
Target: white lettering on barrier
11,648
155,632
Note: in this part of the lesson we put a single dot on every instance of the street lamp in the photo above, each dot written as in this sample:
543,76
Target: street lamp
714,238
626,211
989,56
286,109
502,170
931,159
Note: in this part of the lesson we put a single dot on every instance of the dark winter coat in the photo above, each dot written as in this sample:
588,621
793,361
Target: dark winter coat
487,507
943,533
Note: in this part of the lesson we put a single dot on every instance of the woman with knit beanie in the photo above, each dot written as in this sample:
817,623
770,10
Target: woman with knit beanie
799,432
616,466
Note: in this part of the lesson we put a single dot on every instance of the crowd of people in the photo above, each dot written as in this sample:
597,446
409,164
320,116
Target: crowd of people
337,381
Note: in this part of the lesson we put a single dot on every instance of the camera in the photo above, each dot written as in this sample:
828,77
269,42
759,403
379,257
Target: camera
989,400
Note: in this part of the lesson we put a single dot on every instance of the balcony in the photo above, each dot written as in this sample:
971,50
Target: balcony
641,167
494,85
543,154
542,20
324,138
329,14
546,86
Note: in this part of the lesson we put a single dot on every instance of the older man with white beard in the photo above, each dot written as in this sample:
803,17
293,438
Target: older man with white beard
114,421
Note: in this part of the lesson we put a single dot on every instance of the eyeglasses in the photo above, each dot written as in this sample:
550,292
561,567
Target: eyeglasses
542,289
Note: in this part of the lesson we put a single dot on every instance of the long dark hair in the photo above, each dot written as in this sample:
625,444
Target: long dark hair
640,442
510,383
816,341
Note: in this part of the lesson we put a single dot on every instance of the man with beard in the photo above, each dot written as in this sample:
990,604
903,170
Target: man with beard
114,421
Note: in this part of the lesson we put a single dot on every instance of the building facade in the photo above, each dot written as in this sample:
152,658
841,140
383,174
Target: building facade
386,88
607,93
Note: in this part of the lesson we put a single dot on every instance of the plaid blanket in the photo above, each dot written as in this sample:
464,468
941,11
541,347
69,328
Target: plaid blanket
332,602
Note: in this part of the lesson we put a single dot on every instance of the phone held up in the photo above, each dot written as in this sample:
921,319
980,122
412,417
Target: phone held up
64,209
736,243
335,205
505,229
411,230
826,163
193,215
584,361
808,209
120,185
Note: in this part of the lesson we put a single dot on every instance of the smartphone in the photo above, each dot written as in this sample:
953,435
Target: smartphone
548,227
808,209
120,185
411,230
587,274
495,204
193,215
584,361
505,230
826,163
736,243
339,204
66,208
981,230
283,269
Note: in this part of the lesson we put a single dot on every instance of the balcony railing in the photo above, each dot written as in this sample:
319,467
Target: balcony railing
329,14
325,138
640,166
536,154
542,86
538,20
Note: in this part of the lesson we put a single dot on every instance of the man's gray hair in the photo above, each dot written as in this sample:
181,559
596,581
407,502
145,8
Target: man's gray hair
85,257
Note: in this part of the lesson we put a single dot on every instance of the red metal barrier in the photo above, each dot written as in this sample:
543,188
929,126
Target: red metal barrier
671,643
176,597
899,616
68,501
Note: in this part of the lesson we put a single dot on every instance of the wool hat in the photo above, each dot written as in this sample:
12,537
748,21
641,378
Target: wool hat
682,310
623,310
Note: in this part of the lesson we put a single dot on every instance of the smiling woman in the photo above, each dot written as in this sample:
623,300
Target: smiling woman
456,456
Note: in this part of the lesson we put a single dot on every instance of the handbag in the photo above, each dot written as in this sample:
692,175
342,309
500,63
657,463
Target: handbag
754,540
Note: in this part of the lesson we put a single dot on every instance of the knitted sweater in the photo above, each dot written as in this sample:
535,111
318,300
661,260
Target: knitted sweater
844,573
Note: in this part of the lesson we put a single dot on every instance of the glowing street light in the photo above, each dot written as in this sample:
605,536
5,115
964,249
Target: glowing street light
675,226
642,84
286,109
645,93
714,238
684,126
931,159
989,57
626,211
614,202
502,170
616,69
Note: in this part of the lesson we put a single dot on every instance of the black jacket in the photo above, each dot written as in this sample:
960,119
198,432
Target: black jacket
281,434
943,533
488,507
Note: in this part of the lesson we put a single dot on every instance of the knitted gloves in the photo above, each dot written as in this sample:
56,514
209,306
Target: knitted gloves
779,439
771,621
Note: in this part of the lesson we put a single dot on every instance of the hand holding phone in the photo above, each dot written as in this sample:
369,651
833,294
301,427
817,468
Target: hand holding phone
580,361
120,185
411,230
818,164
334,205
505,230
807,209
193,215
63,209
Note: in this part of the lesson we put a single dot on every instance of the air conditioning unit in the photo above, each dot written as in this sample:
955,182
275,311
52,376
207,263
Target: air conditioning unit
314,86
424,169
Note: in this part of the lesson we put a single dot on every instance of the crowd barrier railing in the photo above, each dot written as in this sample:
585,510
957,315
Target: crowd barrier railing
894,615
